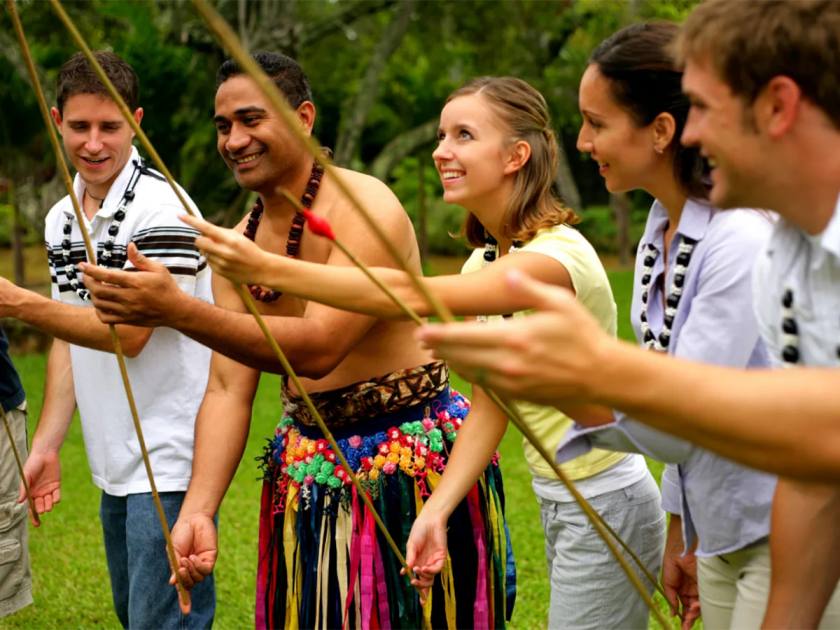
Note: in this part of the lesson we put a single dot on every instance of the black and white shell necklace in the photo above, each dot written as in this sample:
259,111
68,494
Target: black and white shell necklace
790,353
672,300
106,259
790,330
491,252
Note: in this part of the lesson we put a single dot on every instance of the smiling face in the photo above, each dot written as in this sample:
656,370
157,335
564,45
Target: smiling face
96,138
472,156
719,123
624,151
251,137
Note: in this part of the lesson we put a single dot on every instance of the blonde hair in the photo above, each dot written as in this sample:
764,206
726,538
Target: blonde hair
534,203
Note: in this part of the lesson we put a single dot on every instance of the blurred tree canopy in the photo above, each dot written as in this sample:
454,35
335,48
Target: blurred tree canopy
380,71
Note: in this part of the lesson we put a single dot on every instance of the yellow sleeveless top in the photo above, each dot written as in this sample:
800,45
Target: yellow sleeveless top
592,287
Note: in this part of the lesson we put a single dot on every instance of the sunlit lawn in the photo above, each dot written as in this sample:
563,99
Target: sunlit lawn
70,576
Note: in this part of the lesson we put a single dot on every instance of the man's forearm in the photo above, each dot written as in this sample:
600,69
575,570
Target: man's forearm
237,335
59,400
221,432
805,554
74,324
783,421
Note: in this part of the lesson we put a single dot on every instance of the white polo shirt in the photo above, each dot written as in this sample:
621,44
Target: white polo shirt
810,267
169,376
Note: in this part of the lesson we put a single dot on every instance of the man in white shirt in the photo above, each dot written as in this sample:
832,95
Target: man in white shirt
766,112
123,202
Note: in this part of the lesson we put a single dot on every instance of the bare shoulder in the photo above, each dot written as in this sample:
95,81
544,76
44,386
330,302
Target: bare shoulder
375,197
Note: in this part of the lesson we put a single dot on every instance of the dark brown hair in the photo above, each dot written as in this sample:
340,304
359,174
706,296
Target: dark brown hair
749,43
78,77
534,204
646,82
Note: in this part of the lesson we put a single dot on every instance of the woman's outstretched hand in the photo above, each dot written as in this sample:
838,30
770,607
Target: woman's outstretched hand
426,551
229,253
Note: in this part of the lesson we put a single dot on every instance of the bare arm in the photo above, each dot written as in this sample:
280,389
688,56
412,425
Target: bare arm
74,324
803,545
783,421
478,293
477,439
314,343
221,432
42,468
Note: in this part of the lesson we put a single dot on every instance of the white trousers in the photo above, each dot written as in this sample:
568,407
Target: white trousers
734,589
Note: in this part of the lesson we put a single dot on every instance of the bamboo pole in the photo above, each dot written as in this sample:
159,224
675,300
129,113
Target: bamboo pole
506,407
225,34
243,294
19,462
183,593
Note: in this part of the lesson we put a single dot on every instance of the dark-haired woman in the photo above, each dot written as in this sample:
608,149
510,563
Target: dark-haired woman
496,157
691,298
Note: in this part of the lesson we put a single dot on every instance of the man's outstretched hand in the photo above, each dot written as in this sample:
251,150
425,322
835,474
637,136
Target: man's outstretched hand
145,297
551,357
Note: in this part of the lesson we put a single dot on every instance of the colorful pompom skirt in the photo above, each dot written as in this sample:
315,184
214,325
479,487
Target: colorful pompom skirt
322,561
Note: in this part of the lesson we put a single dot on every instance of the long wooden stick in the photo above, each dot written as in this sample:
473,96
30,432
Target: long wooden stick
225,34
507,408
35,518
243,294
228,38
183,593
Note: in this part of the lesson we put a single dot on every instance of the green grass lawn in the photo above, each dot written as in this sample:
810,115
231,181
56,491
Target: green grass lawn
68,561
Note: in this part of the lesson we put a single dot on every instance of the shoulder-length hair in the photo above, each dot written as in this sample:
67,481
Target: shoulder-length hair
535,203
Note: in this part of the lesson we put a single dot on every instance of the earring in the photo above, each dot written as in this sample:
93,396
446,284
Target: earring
659,150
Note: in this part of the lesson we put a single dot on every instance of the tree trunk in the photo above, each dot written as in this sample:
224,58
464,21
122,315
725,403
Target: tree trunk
620,205
564,181
242,23
351,127
18,264
402,146
422,210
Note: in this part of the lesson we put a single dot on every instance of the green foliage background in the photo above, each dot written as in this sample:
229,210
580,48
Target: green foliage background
337,41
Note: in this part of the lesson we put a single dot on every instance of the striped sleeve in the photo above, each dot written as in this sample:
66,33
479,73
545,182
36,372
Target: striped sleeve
171,245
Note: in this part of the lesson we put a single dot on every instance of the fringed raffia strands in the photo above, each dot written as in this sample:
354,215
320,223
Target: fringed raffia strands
354,595
450,603
343,539
292,554
366,578
323,574
497,574
427,607
481,612
381,583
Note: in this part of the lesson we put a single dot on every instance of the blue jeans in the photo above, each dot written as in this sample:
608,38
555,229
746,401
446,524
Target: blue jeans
139,569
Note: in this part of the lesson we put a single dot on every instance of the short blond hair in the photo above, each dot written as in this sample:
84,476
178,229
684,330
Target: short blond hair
749,42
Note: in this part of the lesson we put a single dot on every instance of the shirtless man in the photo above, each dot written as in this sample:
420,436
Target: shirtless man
369,374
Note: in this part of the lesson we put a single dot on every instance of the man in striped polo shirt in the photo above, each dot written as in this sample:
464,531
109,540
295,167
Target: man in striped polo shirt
123,202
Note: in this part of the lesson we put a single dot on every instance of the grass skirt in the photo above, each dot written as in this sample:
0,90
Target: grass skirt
322,561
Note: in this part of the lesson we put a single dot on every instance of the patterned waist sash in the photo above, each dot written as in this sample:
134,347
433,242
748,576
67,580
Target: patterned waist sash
393,392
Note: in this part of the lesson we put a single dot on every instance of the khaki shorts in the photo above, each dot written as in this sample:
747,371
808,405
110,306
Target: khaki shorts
15,576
